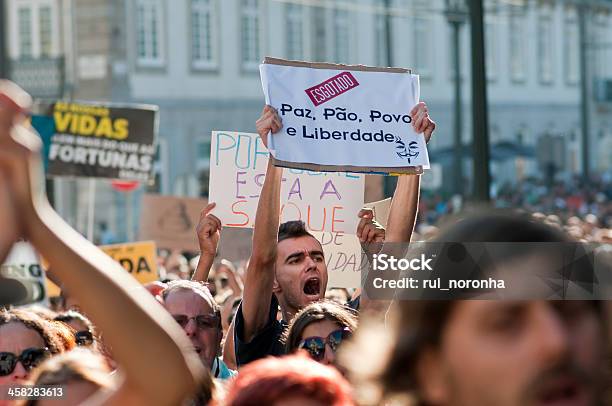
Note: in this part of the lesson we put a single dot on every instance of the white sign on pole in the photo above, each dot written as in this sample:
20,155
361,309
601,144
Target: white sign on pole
23,265
341,118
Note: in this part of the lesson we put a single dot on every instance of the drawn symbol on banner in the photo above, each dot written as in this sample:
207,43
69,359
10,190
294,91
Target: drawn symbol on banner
176,219
404,152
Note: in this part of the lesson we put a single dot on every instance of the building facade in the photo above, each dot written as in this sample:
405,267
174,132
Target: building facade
198,60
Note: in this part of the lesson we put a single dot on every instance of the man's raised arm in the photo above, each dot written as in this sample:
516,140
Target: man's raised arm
260,271
404,206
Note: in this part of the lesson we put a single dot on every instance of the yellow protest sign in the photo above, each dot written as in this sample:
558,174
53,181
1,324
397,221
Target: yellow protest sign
139,259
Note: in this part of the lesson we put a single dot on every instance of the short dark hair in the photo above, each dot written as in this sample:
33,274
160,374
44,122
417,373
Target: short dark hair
293,229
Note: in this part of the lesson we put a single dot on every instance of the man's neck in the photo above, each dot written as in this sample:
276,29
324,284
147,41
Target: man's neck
287,311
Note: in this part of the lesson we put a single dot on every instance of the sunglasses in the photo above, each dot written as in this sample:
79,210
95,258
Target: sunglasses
29,358
316,345
203,321
84,338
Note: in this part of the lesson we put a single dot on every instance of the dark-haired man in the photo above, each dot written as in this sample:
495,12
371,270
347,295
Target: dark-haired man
287,265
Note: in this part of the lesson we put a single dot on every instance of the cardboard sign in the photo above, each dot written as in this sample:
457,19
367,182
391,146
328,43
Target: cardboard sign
326,202
99,140
171,221
23,265
344,118
139,259
343,257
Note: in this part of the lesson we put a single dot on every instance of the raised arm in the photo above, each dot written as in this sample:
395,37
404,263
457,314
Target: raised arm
160,373
259,278
208,231
405,202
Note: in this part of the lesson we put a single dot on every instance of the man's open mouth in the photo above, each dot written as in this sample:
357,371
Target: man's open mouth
566,391
312,287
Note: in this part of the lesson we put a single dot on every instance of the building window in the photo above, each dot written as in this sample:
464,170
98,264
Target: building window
44,17
600,39
320,34
295,31
203,34
250,34
341,36
25,32
380,38
203,152
517,43
149,25
545,49
490,49
491,26
571,51
422,38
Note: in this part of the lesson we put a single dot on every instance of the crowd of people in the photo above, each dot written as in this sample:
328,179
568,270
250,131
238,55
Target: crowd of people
269,331
582,208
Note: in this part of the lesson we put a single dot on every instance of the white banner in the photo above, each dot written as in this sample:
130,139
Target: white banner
345,118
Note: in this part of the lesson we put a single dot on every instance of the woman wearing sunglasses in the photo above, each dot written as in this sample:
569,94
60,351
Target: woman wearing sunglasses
26,340
319,329
84,330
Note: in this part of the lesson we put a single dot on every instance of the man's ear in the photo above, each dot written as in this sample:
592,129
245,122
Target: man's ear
431,378
276,288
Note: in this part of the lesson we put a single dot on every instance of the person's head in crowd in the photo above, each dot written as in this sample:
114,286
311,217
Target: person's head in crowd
195,310
84,333
81,373
221,272
574,221
229,317
177,264
487,352
289,380
590,223
319,329
301,272
26,339
338,295
553,220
